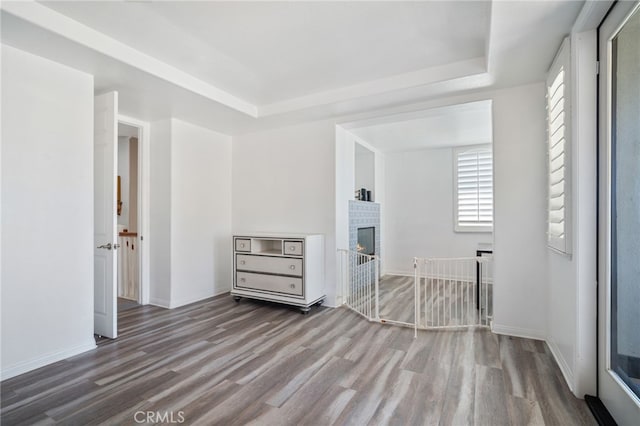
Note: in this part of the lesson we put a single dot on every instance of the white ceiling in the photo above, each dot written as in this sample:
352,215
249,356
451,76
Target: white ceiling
265,52
456,125
238,67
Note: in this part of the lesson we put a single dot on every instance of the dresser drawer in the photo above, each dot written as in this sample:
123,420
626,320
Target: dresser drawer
269,264
243,245
293,248
271,283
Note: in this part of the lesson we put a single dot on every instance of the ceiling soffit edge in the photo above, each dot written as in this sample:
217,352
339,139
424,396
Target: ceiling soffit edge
50,20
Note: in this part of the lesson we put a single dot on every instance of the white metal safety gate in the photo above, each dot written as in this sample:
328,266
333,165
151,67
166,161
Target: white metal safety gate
359,277
447,293
455,292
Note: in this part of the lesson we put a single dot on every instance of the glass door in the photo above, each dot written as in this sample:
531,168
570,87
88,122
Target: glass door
619,247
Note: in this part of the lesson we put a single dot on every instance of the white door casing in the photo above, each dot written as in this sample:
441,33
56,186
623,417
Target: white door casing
144,132
623,405
104,212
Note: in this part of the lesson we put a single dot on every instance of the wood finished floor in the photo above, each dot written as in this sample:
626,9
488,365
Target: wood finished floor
125,304
223,363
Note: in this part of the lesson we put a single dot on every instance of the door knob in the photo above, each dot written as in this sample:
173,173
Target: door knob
105,246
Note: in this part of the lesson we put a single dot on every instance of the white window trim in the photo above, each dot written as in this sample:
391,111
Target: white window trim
475,228
562,60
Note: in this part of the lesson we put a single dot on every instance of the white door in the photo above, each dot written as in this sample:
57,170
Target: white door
619,222
104,211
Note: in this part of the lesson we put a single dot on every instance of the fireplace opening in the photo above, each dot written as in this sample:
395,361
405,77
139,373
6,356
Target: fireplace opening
367,241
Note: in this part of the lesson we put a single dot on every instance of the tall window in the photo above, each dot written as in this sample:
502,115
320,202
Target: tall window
473,189
558,130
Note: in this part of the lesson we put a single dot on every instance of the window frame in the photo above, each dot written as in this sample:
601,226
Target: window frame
471,228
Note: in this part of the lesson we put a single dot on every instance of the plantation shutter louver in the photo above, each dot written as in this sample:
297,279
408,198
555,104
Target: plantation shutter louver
558,132
474,189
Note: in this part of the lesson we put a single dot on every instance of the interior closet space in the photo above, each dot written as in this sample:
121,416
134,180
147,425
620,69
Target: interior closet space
127,211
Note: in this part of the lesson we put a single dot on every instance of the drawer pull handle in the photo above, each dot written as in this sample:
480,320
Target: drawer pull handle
242,262
292,248
241,245
292,267
293,286
242,280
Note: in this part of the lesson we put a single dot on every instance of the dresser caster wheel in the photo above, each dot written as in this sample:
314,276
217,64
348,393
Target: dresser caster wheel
305,311
237,299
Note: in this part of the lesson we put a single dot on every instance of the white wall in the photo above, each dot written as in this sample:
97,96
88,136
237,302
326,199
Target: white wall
419,218
160,214
561,296
123,172
520,254
380,195
200,213
571,283
284,181
190,213
365,169
344,191
47,212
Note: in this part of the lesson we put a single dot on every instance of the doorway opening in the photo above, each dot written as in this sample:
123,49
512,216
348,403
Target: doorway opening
128,214
423,184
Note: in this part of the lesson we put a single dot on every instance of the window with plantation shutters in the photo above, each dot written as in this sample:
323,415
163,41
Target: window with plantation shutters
558,142
473,175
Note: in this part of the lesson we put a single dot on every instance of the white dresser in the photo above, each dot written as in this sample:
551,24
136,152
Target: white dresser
284,268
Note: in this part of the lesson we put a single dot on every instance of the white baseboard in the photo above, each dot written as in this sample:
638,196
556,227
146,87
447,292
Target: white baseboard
563,364
162,303
399,273
337,301
26,366
194,299
221,292
527,333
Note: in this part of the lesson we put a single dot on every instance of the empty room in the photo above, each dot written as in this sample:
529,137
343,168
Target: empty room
322,213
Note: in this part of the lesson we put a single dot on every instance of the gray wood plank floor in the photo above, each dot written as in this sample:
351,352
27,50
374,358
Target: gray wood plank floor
218,362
